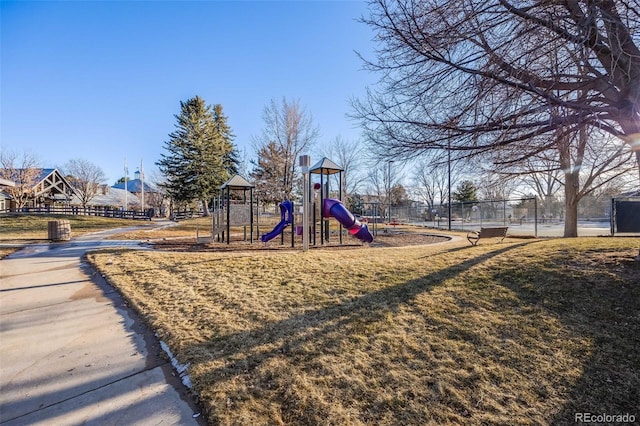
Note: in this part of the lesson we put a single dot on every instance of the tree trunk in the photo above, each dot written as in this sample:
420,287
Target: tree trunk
205,208
571,205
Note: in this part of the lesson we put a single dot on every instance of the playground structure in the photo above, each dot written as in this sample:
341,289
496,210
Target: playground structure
328,207
316,210
238,212
286,219
331,208
335,208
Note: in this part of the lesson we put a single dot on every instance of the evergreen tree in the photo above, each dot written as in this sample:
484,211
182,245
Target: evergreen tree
200,153
230,160
466,192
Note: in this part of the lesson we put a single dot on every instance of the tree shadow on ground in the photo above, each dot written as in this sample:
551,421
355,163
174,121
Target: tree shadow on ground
596,298
239,355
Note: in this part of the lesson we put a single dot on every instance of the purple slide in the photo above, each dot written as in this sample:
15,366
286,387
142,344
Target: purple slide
334,208
286,219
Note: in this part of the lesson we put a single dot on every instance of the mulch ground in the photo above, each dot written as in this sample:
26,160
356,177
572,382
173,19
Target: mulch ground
391,239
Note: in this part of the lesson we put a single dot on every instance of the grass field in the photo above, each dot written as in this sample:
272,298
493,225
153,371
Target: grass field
6,251
524,332
24,227
187,228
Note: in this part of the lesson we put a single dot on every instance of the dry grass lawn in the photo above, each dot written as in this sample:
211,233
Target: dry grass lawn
24,227
524,332
182,229
6,251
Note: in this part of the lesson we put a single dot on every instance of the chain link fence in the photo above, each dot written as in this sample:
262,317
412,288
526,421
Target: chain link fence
521,215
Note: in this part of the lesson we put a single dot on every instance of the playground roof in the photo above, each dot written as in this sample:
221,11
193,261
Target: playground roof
326,167
236,182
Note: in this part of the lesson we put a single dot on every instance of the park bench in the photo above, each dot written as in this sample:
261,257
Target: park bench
498,232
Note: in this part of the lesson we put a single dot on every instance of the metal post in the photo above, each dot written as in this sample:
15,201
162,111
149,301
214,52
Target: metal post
305,161
535,218
504,212
322,222
389,187
611,216
228,201
340,197
141,186
126,190
293,224
449,181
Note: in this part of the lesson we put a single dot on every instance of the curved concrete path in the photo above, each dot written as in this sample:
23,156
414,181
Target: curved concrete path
72,353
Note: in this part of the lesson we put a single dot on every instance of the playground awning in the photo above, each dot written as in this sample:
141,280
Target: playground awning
325,167
237,182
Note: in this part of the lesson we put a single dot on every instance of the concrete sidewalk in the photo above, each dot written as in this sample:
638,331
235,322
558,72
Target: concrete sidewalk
71,352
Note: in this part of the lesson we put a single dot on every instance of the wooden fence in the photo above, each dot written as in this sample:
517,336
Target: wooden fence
88,211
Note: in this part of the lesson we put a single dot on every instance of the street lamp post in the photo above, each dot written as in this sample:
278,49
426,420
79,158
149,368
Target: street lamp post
449,182
389,187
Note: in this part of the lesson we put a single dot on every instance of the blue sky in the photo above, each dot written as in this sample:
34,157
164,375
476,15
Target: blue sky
102,81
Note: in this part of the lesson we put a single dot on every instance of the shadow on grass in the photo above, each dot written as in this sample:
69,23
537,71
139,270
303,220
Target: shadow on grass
598,301
244,352
594,301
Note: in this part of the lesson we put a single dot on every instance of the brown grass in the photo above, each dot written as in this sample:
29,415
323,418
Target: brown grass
514,333
183,229
25,228
6,251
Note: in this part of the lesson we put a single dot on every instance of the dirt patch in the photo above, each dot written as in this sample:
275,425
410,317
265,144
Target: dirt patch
401,239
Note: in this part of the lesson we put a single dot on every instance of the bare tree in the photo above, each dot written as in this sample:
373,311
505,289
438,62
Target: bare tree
22,169
157,196
381,179
495,187
378,183
544,177
290,127
585,156
425,186
481,76
432,175
348,154
478,72
575,164
267,173
85,177
587,169
431,181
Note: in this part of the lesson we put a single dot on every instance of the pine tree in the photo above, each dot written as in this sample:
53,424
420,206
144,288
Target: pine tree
200,153
230,160
466,192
